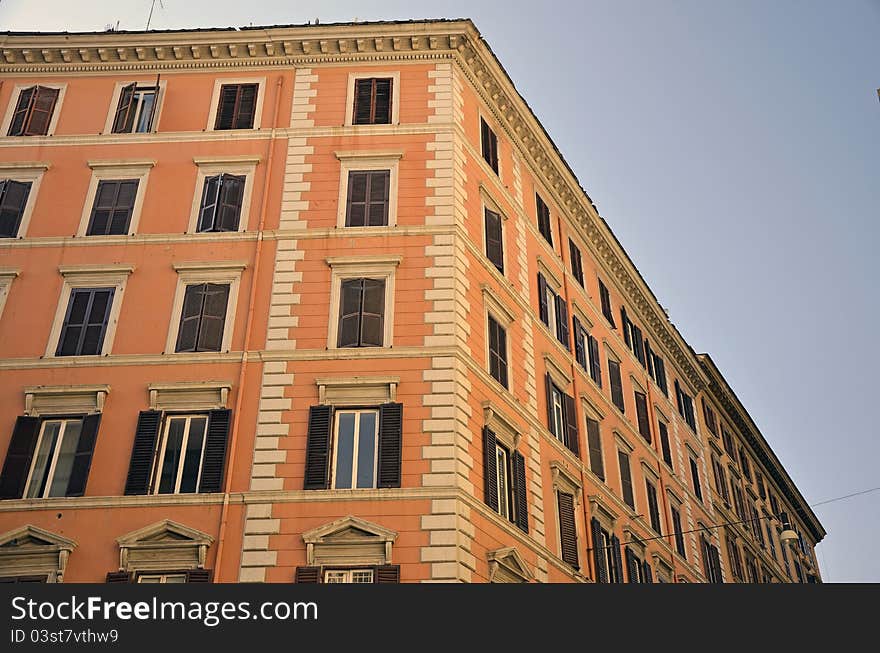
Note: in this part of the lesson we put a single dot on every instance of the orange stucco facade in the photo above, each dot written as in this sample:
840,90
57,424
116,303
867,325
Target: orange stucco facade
272,503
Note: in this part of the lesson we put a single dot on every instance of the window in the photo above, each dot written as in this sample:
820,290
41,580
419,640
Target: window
13,200
577,264
237,106
642,415
33,113
656,368
586,351
136,110
494,239
711,561
606,554
178,453
489,145
49,457
709,416
497,351
355,448
759,481
85,322
567,528
638,571
605,300
594,445
361,313
544,219
735,560
744,464
372,101
553,310
685,406
739,504
728,443
632,335
626,486
203,318
504,473
220,207
665,449
616,384
720,479
653,507
695,479
351,448
162,578
562,416
774,504
113,207
367,198
677,530
348,576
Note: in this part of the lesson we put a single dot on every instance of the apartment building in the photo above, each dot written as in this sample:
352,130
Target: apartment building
325,304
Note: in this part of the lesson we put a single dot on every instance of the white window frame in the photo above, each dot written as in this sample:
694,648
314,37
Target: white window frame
356,267
160,458
495,308
114,105
558,412
109,171
218,272
50,472
354,456
367,160
163,578
7,276
486,202
370,74
215,100
348,575
89,276
502,461
26,172
234,165
16,93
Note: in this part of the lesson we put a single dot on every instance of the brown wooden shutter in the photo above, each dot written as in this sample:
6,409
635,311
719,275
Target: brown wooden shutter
246,105
489,142
231,196
642,415
363,102
356,198
390,444
494,243
695,477
562,321
616,385
577,266
388,574
615,556
143,450
520,492
214,460
317,471
119,577
198,575
543,309
664,443
594,446
653,507
632,565
85,322
626,488
595,360
580,353
646,572
572,433
567,529
190,317
372,313
13,198
22,110
548,386
599,552
543,219
350,303
151,126
382,95
124,119
82,460
625,325
308,575
605,299
490,469
19,455
40,111
377,198
210,203
213,317
637,343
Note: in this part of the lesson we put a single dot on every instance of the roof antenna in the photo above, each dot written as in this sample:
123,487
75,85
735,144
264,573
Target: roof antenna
153,6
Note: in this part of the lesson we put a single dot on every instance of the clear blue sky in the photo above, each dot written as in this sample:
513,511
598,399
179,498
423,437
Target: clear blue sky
731,147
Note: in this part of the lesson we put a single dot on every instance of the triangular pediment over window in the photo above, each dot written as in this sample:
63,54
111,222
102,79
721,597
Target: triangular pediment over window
508,566
349,541
33,551
162,546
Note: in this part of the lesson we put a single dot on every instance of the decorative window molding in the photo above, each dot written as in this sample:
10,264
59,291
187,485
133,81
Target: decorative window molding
349,541
26,172
219,272
662,568
547,270
114,104
357,390
89,276
632,539
497,307
116,169
649,472
502,425
508,566
602,510
163,546
32,551
13,101
622,443
581,315
7,276
209,166
353,267
565,481
591,408
560,376
215,99
195,395
64,399
368,160
371,74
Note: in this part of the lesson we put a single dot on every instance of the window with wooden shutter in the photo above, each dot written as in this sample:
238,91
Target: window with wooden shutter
489,145
616,557
567,528
555,410
85,322
665,449
317,470
626,486
13,199
113,206
490,468
659,372
601,553
577,264
494,240
642,415
580,341
562,321
595,360
33,111
543,305
520,491
367,199
543,219
220,208
361,313
679,534
695,479
203,318
214,459
572,433
237,106
685,406
390,450
372,101
720,479
709,416
136,109
142,452
616,384
497,351
19,455
605,300
633,566
653,507
594,445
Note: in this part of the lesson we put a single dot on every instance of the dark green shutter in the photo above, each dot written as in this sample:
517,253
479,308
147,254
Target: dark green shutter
618,563
642,415
580,353
646,572
18,457
567,529
543,309
520,492
572,433
390,444
632,566
317,471
142,451
490,469
594,446
562,321
215,451
595,361
82,461
599,551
